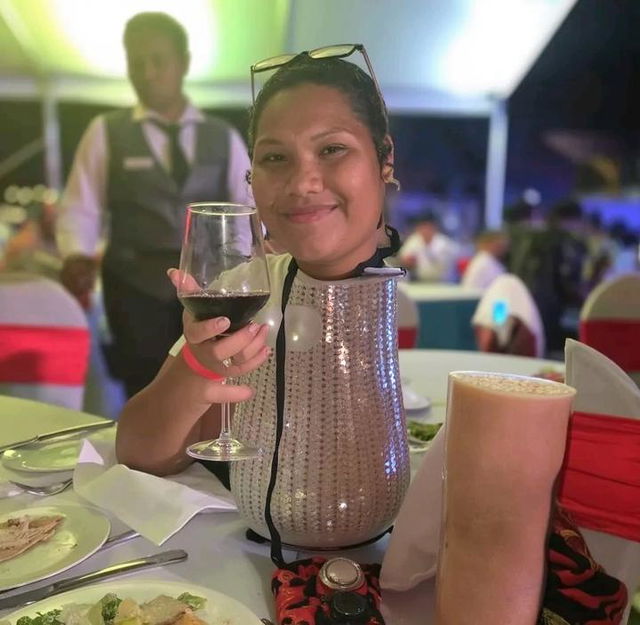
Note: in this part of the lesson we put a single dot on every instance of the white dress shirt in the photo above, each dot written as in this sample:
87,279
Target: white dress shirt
508,297
435,261
79,226
483,269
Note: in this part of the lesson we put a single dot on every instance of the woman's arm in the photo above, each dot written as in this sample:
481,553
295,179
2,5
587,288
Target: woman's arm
180,407
158,423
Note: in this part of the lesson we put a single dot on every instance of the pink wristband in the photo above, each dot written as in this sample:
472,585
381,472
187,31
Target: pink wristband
197,367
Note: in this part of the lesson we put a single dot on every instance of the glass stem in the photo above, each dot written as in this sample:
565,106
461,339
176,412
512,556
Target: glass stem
225,429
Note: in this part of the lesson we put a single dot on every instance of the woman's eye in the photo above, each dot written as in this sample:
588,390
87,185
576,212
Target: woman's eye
333,149
272,157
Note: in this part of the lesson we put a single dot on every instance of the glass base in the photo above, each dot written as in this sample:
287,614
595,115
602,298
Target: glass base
223,450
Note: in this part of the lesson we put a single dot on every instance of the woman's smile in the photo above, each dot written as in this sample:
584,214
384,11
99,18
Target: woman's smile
309,214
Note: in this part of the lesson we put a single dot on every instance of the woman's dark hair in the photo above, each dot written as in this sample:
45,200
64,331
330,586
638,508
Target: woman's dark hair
346,77
160,23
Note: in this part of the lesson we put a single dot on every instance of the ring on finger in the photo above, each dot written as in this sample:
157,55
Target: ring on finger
227,362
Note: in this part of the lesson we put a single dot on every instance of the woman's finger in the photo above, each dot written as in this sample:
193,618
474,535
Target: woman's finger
229,346
182,280
200,331
230,393
235,370
253,348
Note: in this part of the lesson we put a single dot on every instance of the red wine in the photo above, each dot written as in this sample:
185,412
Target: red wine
239,307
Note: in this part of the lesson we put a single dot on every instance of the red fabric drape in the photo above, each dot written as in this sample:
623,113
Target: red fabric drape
617,339
43,354
600,478
407,337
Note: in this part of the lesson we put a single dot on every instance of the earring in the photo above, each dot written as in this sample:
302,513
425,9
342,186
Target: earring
389,179
247,176
395,182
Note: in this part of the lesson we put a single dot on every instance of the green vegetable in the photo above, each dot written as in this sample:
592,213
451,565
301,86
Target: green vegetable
110,603
46,618
423,431
194,602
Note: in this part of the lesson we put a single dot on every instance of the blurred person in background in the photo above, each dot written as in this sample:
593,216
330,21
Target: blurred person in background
428,254
31,248
626,256
135,171
552,265
601,251
488,261
518,224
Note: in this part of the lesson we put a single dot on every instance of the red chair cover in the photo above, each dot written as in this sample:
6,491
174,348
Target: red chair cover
618,339
600,478
43,354
462,264
407,338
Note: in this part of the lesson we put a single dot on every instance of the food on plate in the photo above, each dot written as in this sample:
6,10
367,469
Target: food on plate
21,533
186,609
550,373
423,431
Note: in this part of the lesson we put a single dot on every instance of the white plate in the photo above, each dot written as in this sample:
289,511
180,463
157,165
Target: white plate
79,535
419,449
223,609
59,455
414,401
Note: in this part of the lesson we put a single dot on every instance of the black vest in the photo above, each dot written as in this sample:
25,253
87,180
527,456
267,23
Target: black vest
146,209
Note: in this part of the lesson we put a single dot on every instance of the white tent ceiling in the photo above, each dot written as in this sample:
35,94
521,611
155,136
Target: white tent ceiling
452,56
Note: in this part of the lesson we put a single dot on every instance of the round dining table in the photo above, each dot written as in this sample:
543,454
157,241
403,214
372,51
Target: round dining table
220,556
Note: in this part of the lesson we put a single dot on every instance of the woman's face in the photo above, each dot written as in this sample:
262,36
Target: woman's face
316,180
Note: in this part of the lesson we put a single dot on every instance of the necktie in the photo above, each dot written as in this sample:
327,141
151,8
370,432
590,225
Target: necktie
178,165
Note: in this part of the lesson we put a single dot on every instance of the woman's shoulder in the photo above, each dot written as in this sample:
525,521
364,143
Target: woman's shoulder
277,265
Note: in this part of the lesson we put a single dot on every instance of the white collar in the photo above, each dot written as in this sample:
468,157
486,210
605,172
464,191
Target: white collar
190,115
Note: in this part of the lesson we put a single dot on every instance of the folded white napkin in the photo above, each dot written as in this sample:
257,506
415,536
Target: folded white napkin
412,555
604,388
153,506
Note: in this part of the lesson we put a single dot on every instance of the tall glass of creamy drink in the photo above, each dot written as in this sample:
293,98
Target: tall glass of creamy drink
504,446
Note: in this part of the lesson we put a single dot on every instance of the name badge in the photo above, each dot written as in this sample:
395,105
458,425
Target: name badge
137,162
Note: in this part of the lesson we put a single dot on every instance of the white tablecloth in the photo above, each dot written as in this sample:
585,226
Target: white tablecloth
220,557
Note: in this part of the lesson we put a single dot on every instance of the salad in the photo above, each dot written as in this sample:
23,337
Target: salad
422,432
186,609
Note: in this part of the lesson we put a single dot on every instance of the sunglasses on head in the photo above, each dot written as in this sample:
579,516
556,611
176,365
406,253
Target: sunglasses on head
338,51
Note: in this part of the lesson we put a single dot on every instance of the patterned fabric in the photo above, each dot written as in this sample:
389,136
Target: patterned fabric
578,590
302,599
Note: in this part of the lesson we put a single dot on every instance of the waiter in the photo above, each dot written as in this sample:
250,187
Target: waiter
134,172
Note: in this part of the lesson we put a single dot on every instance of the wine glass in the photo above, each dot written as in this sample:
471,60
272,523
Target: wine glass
223,272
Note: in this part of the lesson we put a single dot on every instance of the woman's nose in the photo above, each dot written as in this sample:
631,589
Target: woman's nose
306,177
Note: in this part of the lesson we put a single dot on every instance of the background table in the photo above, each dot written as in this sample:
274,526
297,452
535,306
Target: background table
426,372
445,312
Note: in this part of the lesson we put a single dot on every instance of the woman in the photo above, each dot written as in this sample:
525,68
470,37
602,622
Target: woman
321,157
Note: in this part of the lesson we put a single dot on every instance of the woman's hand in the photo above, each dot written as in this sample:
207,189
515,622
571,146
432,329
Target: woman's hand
228,356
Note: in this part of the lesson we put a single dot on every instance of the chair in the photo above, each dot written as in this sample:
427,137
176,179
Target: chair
507,320
408,321
600,479
610,322
44,341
